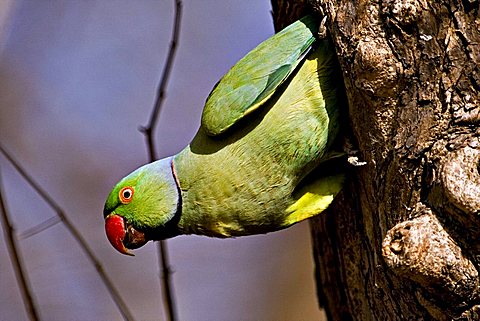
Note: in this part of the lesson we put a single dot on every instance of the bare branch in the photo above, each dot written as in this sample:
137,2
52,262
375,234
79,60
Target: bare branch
160,98
17,263
148,131
75,233
45,225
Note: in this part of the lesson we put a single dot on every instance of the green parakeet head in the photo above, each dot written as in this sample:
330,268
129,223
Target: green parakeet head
141,205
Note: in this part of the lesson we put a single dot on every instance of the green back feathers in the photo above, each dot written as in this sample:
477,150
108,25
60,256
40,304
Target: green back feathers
257,177
254,78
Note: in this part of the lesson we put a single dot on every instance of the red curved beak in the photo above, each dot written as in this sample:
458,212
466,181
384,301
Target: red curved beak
116,232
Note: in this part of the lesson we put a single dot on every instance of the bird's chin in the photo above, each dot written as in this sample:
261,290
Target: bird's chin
134,238
122,235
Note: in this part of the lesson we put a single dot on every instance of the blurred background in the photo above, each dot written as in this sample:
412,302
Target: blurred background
77,79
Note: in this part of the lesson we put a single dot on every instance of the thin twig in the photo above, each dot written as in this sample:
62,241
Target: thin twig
166,280
75,233
45,225
160,97
17,263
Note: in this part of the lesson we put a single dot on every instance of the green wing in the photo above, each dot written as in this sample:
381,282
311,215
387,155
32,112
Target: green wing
255,77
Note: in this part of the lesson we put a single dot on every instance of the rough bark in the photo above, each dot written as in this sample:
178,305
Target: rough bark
399,242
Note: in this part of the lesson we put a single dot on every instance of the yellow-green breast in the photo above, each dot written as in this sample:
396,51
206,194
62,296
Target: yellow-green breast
243,181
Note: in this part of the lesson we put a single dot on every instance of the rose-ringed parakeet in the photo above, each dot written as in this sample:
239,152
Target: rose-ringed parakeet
268,123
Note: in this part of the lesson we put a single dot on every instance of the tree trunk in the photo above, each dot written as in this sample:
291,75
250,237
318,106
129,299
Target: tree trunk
399,242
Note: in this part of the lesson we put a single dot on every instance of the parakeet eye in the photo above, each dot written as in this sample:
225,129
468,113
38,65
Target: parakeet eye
126,194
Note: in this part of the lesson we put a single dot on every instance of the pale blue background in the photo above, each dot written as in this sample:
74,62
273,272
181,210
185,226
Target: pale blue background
77,78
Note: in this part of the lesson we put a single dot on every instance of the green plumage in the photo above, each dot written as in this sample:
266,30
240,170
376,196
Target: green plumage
244,182
266,126
255,77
